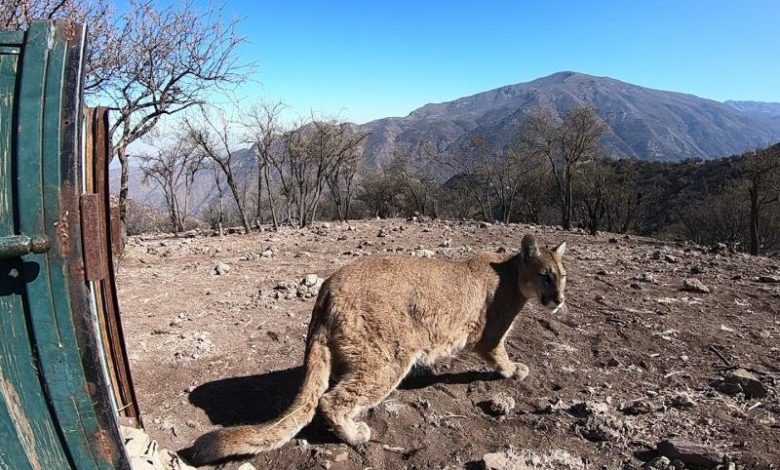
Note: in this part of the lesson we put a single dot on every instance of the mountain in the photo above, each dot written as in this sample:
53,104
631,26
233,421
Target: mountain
642,122
759,110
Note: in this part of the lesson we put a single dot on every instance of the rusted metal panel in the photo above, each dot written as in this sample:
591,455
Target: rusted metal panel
108,308
90,229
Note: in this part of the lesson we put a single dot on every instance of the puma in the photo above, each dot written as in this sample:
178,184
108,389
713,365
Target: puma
375,319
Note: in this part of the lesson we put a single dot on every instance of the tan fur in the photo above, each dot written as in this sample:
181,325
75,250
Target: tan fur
376,318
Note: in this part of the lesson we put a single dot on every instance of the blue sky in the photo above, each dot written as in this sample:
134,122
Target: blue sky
369,59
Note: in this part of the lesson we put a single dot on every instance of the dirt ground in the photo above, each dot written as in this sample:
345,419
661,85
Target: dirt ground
215,329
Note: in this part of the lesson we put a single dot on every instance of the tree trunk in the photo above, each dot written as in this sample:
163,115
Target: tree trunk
124,187
259,210
567,203
241,209
754,212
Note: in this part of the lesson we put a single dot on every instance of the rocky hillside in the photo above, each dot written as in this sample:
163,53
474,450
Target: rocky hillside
759,110
667,358
642,123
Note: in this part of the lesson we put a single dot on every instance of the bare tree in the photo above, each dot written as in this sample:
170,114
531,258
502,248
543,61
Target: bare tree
762,171
493,177
314,152
417,171
210,135
171,57
565,144
173,169
265,132
380,190
102,55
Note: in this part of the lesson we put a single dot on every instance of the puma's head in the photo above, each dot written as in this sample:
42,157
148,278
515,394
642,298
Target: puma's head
542,275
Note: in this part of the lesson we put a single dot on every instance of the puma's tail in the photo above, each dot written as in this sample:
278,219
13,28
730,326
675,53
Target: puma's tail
249,440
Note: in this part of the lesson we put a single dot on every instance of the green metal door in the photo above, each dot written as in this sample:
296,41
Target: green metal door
55,403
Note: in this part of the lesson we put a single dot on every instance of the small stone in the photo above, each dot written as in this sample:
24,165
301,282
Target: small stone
683,402
671,259
695,285
484,224
501,404
638,407
310,280
748,381
502,461
690,453
247,466
698,270
769,279
221,269
589,408
645,277
659,463
342,457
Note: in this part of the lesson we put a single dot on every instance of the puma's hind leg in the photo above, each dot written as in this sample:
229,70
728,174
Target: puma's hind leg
358,390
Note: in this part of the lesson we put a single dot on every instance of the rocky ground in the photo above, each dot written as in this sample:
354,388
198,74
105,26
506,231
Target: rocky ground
668,357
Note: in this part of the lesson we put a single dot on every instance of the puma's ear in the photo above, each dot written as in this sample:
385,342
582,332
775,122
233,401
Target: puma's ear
530,248
560,250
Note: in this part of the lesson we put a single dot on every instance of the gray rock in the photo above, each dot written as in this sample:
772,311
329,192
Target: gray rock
659,463
503,461
221,269
501,404
695,285
589,408
690,453
748,382
769,279
638,407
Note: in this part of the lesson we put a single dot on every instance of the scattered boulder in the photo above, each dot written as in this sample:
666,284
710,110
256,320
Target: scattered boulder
645,277
682,402
500,404
642,406
600,428
741,380
589,408
423,253
692,454
695,285
221,269
502,461
659,463
309,286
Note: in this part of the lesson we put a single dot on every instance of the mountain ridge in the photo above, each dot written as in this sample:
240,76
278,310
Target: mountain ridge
642,122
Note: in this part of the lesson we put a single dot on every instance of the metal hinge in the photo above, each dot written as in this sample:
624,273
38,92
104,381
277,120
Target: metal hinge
19,245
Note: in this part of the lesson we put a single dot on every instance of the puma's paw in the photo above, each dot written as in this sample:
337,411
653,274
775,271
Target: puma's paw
362,434
521,371
508,370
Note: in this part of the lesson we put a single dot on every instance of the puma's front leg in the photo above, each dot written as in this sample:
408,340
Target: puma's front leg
499,359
